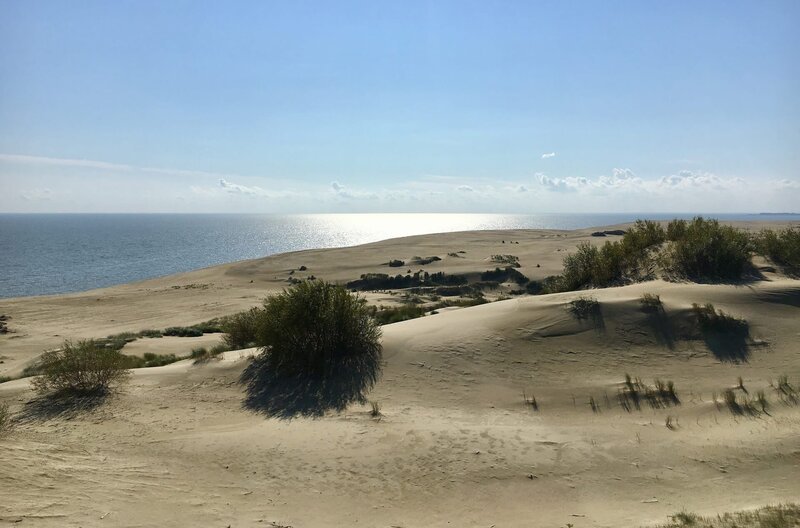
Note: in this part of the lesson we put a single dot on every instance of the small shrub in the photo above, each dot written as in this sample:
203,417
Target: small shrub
150,333
396,263
4,379
659,395
82,367
204,355
650,302
509,274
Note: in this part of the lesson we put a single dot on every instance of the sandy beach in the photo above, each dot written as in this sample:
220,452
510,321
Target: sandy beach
456,445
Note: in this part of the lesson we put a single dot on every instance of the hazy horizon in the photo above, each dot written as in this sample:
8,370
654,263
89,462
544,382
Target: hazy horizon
420,107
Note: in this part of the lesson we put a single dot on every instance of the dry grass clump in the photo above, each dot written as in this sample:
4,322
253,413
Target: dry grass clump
780,516
787,392
584,307
204,355
650,302
80,368
709,318
375,409
634,392
530,401
5,419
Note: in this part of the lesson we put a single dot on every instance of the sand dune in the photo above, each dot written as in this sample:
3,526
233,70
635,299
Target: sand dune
456,445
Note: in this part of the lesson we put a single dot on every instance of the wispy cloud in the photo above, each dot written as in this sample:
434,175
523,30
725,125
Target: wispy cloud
547,155
465,188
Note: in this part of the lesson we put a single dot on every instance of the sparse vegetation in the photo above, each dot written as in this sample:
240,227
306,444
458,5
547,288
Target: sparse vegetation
633,392
80,368
780,516
203,354
394,263
149,359
382,281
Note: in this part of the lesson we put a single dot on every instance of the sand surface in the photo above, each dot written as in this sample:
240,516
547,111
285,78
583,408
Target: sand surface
456,445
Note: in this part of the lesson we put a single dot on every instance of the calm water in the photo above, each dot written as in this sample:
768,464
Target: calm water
45,254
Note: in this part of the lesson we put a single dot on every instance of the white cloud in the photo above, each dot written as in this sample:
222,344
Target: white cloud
336,186
32,195
465,188
547,155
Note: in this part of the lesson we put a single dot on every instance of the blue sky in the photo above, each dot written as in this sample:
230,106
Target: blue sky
399,106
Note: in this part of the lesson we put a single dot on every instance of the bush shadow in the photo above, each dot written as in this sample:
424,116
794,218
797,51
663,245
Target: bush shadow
661,326
64,405
307,394
729,344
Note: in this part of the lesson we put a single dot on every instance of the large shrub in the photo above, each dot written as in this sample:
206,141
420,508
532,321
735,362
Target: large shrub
82,367
317,326
710,250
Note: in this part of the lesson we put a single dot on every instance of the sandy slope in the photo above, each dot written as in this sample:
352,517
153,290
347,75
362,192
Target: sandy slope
456,445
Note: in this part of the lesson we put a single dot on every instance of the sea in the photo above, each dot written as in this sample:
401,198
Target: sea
43,254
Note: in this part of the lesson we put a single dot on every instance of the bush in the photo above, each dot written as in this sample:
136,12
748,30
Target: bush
240,329
394,263
782,247
709,250
315,326
81,368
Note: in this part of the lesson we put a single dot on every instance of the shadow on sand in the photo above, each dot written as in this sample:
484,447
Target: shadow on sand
729,344
61,405
307,394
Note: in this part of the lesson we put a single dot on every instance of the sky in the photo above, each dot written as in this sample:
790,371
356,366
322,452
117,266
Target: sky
413,106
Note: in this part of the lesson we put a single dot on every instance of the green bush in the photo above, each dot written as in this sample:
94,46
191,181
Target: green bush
314,326
81,367
709,250
240,329
781,247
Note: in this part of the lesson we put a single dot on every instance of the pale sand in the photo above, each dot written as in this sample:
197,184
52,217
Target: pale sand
456,445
